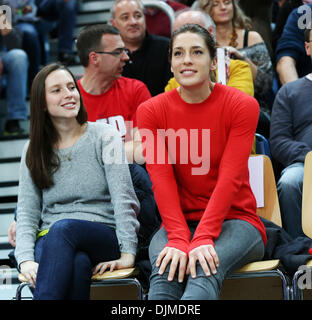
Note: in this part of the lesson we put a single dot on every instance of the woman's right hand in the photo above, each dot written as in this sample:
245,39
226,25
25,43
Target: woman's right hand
177,258
29,269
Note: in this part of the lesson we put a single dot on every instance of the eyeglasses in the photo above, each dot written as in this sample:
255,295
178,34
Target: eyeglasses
116,53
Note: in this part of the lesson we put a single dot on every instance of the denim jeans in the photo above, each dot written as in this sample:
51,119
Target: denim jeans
238,244
289,188
65,13
66,256
15,67
32,46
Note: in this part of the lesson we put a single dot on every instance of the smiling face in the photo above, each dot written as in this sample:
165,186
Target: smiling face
62,96
191,62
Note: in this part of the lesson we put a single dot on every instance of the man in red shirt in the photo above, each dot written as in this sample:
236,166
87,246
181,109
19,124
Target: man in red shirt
107,95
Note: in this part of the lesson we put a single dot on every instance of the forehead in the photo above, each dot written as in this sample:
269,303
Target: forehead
112,41
188,39
58,77
124,7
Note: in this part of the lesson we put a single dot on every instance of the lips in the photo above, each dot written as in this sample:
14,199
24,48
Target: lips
69,105
187,72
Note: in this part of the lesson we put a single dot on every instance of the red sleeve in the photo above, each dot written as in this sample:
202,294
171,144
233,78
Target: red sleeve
233,169
163,179
141,94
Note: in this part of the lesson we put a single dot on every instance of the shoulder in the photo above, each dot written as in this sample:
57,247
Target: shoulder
157,102
127,83
98,130
254,38
236,97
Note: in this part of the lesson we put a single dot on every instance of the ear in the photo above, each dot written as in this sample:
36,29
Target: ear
112,22
308,48
93,59
214,64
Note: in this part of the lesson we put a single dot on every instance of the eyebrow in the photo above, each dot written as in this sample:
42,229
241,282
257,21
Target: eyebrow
58,84
193,47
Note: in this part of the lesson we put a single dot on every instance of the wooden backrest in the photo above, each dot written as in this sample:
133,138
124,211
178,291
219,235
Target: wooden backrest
271,208
307,196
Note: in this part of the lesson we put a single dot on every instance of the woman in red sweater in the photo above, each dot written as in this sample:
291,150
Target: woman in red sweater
197,141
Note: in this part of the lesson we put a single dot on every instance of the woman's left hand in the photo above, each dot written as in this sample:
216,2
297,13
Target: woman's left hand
235,52
203,254
126,260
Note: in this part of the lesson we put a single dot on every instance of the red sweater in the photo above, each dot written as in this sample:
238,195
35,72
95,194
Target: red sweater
220,188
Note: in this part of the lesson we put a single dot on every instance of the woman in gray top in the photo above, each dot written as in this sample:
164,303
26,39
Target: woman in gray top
76,204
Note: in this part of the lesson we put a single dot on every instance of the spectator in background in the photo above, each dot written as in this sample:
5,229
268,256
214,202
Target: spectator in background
240,75
25,19
63,14
290,141
292,61
14,68
282,14
148,53
157,21
232,31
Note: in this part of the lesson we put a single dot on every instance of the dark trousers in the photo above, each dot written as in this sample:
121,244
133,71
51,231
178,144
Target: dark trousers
66,256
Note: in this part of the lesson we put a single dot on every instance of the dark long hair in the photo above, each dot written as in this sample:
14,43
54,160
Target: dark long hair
41,159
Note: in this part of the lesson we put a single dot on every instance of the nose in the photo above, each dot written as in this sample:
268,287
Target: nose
125,56
222,5
68,93
187,58
132,20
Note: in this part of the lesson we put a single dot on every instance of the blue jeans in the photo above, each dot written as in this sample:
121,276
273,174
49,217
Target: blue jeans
66,256
65,13
15,67
32,46
289,188
238,244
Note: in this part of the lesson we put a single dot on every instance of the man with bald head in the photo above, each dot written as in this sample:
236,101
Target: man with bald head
240,75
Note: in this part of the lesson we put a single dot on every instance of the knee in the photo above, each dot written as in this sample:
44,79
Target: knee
16,59
290,181
61,227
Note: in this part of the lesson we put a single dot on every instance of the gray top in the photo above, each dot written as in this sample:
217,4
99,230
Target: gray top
95,185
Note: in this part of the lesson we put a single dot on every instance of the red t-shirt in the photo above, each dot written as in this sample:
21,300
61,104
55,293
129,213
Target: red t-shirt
117,106
207,176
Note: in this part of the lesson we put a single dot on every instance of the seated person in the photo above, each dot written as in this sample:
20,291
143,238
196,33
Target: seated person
88,220
210,224
291,59
14,65
240,75
290,141
148,53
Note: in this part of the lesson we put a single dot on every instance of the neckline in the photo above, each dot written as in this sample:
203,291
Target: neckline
200,104
81,138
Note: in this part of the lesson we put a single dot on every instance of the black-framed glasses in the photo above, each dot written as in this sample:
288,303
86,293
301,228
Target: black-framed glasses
116,53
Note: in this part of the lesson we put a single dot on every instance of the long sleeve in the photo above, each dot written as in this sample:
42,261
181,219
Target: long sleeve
125,203
163,179
28,214
233,171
